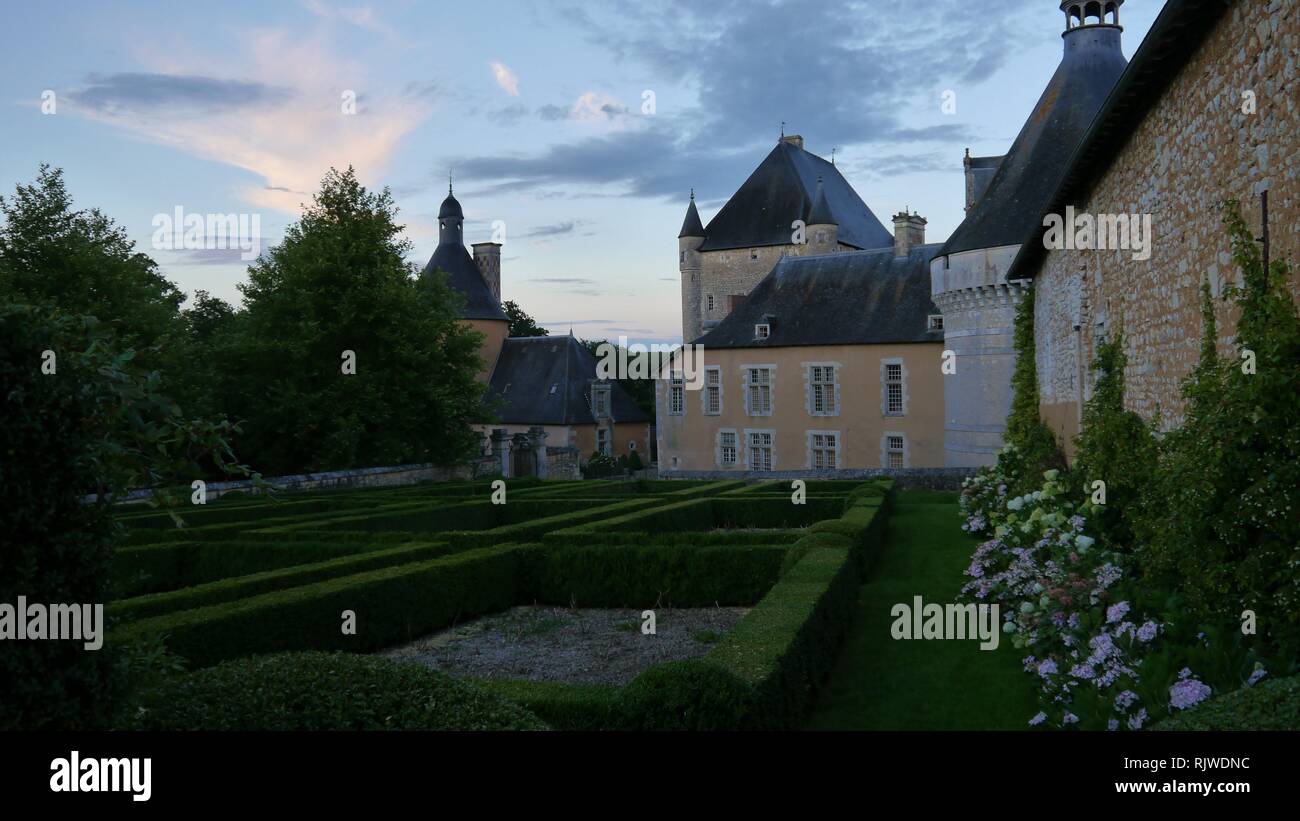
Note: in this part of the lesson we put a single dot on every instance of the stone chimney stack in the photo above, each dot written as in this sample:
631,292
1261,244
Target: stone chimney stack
487,256
793,139
909,232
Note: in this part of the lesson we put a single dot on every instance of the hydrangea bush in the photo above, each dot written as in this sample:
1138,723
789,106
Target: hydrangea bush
1065,594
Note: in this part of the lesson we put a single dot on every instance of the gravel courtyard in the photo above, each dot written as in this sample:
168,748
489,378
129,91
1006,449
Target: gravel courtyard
569,645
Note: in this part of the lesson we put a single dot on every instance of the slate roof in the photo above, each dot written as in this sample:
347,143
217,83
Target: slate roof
464,276
691,226
1171,42
529,366
846,298
780,191
1029,173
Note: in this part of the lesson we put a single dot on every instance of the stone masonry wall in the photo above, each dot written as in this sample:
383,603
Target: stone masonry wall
1194,149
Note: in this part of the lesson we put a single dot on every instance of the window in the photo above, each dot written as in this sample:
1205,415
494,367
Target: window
631,444
759,391
934,322
760,450
753,253
821,391
554,387
727,448
824,451
762,331
599,402
709,299
602,440
894,405
894,451
713,391
677,395
681,256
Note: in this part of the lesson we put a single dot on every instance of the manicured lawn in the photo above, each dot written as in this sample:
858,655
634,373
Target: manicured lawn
880,683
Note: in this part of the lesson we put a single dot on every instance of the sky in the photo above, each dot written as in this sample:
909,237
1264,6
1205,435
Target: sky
574,133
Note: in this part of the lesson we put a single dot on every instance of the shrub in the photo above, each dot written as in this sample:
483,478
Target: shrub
685,695
646,576
582,707
1034,444
1272,704
325,691
391,605
243,587
1229,478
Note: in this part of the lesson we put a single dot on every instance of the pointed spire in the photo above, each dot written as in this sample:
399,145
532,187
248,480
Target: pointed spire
821,209
692,226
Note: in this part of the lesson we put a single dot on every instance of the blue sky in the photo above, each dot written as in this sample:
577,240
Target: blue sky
537,108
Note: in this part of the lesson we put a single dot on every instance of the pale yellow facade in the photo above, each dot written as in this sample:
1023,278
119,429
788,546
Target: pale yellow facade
855,419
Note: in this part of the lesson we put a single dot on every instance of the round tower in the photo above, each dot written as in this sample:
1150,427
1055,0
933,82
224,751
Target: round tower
688,264
823,230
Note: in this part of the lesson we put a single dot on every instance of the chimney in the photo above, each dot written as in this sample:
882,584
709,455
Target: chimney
793,139
487,256
909,232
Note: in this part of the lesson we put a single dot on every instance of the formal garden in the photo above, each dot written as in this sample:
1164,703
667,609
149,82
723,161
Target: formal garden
314,610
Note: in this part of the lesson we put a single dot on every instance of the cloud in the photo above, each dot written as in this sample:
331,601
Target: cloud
288,133
139,93
564,281
505,78
360,16
861,84
553,230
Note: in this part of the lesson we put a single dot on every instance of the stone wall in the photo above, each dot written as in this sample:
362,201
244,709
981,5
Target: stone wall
1195,148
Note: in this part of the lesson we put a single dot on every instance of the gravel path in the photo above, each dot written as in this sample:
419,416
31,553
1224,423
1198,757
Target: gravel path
569,645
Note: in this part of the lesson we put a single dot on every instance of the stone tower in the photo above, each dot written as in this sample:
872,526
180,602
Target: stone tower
688,263
968,277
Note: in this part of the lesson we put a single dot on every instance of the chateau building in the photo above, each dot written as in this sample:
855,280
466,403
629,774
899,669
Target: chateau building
1005,201
820,344
1207,111
542,391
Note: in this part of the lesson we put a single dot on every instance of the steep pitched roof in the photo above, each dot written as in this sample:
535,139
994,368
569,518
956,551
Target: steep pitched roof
691,226
546,380
1028,174
848,298
780,191
463,275
1170,43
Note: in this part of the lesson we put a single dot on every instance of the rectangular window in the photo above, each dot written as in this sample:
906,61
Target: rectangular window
760,451
713,391
935,322
823,451
600,399
676,395
894,388
727,447
821,387
762,331
895,451
709,298
760,391
602,440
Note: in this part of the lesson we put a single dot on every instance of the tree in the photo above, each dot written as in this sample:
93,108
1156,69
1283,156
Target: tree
1035,446
80,417
80,262
344,359
521,324
642,391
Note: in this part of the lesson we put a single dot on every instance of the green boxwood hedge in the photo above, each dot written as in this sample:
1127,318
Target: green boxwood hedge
242,587
391,605
325,691
175,565
1272,704
650,575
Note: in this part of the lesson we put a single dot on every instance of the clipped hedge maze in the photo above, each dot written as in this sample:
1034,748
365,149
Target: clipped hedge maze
257,576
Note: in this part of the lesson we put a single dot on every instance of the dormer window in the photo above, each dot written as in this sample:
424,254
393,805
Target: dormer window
934,322
762,330
753,253
554,387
